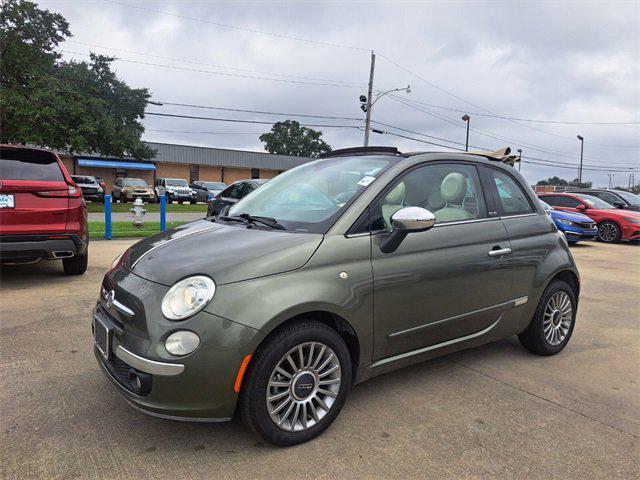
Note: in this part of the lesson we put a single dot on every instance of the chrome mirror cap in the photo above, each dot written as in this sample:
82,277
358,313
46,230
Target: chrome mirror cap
413,219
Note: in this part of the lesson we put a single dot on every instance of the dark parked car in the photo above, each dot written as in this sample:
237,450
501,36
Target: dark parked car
617,198
205,189
91,189
42,213
333,272
232,194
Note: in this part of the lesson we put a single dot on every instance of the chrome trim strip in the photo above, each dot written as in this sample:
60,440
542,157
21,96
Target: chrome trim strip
122,308
520,301
497,307
175,417
434,347
520,215
148,366
171,240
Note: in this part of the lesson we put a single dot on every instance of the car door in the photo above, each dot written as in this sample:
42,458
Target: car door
196,187
526,226
444,283
117,189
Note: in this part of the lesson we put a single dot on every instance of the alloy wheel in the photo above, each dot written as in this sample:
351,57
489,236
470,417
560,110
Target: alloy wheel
608,232
558,315
303,386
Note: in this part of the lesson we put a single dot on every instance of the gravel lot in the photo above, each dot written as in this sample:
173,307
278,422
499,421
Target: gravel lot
495,411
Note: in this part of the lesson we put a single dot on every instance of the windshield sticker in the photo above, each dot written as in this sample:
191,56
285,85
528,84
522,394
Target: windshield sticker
366,180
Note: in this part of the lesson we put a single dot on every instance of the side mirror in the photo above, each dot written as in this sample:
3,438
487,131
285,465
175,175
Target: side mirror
405,221
581,208
618,204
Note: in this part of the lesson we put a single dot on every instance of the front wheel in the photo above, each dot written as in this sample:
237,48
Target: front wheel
553,321
609,232
297,383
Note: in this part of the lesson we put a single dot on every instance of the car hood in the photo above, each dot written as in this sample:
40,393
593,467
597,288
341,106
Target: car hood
225,253
574,217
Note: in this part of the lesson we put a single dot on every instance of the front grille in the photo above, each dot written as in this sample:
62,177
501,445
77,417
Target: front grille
126,376
89,190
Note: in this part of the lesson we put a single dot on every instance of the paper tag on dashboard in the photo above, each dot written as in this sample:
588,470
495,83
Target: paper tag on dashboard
366,181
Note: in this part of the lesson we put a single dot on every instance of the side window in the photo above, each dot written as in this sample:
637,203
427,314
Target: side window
550,200
606,196
513,199
450,191
568,202
235,191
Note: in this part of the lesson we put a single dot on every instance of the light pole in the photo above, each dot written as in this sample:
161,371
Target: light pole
367,107
520,159
467,119
581,138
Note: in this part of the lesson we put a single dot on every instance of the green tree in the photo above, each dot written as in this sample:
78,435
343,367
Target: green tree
556,181
576,183
290,138
72,106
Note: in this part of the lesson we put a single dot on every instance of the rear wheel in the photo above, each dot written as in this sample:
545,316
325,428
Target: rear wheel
77,264
553,321
609,232
297,383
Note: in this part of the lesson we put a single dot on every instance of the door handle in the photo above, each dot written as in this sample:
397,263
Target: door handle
499,252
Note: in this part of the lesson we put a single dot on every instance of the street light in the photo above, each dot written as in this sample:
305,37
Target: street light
519,159
581,138
366,105
467,119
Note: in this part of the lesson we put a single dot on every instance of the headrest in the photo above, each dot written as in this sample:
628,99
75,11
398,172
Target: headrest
435,201
453,188
397,194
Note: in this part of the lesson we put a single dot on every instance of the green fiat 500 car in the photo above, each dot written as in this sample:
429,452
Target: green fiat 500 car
333,272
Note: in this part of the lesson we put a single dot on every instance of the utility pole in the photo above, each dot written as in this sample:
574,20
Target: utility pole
581,138
610,175
367,125
466,118
519,159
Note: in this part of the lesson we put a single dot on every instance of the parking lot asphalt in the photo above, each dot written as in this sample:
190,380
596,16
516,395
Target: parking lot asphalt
494,411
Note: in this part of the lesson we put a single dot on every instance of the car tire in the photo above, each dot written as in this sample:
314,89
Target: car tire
318,409
192,202
609,232
553,321
77,264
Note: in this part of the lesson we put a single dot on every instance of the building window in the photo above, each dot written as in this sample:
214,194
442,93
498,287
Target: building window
255,173
194,173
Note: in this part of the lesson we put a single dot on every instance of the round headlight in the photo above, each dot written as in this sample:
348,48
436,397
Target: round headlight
188,297
182,342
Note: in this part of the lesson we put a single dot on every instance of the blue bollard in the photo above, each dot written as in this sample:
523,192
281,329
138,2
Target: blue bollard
163,213
107,217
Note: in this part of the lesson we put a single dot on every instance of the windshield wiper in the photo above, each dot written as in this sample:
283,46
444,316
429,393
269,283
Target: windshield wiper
268,221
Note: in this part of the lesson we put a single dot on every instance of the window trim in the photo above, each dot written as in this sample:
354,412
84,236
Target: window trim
488,201
491,187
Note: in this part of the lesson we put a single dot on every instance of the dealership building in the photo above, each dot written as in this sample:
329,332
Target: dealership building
184,161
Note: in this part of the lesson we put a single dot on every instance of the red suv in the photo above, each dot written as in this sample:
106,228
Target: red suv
614,224
42,212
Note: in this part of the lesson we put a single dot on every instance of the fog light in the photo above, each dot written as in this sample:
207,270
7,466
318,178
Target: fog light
182,342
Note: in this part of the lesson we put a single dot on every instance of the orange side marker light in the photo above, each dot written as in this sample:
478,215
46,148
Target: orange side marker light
241,370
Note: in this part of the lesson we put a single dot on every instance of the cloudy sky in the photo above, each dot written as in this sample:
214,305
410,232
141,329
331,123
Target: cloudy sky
547,61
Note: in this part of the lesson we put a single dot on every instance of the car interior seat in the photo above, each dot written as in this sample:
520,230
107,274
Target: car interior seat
393,202
453,190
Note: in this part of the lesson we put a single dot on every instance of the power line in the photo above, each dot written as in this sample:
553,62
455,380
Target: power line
490,134
226,74
243,29
226,67
262,112
201,133
235,120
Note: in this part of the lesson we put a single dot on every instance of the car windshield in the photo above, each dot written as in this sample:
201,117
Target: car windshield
80,179
309,198
594,202
176,182
631,198
215,185
134,182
